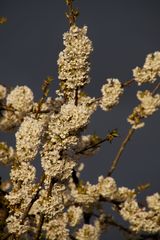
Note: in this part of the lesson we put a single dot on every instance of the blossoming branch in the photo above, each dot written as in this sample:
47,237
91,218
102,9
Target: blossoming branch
61,206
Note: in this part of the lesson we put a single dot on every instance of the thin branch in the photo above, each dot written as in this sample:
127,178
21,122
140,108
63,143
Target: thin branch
128,82
124,143
35,197
76,96
156,88
92,146
120,151
42,216
39,227
25,214
7,236
72,13
110,136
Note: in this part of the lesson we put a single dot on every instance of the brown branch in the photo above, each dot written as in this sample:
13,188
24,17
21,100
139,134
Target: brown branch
120,151
42,216
39,227
7,236
110,136
128,82
76,96
156,88
72,13
92,146
35,197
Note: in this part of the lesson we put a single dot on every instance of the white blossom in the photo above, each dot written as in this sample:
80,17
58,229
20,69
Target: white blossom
3,92
20,98
150,71
139,218
87,232
7,154
56,229
149,104
28,138
111,92
107,187
153,202
75,215
73,60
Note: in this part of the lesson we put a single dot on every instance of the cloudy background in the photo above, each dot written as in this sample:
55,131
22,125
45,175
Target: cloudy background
123,33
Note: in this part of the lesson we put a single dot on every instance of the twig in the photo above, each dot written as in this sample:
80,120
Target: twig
120,151
42,216
92,146
110,136
124,143
72,237
39,227
33,200
109,220
128,82
156,88
76,96
72,13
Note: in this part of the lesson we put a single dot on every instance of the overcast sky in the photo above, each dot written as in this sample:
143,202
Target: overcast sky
123,33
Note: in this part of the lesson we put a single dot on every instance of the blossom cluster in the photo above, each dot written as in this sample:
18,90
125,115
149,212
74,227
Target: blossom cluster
150,71
61,206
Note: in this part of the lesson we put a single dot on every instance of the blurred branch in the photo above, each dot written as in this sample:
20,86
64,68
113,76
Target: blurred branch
120,151
72,13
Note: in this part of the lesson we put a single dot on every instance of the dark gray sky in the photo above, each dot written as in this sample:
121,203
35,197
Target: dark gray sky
123,32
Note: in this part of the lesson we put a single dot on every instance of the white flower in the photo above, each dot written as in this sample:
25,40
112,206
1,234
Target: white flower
88,232
73,60
150,71
7,154
154,202
20,98
28,138
74,214
149,104
111,92
107,187
56,228
139,218
3,92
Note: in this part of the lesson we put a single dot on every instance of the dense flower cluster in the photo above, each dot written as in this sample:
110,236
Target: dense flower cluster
139,218
61,206
73,60
149,104
21,99
3,92
150,71
111,92
7,153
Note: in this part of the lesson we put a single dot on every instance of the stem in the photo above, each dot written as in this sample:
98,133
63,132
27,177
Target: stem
33,199
92,146
128,82
72,13
42,216
156,88
28,207
39,228
76,96
120,151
